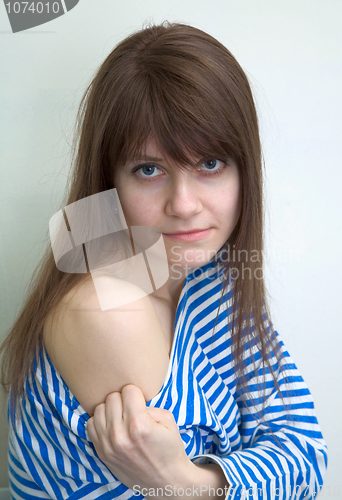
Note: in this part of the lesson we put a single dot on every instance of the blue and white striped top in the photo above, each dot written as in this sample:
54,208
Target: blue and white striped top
282,456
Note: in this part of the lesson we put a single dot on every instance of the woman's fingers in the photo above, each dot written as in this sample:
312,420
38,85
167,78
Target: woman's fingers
127,410
114,409
92,430
133,401
137,422
96,425
161,416
106,416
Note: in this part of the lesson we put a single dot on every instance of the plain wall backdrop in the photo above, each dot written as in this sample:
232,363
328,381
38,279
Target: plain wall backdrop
292,53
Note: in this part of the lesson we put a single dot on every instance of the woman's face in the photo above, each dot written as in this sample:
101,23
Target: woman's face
205,198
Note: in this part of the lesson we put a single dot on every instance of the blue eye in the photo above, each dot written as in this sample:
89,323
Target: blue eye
149,170
212,163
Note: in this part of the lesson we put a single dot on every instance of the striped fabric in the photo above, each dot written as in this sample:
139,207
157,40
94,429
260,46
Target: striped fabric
281,456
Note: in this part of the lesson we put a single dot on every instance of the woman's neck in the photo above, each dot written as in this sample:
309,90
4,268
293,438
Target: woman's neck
172,288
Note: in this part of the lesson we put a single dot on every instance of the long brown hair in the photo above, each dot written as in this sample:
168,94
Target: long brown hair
183,88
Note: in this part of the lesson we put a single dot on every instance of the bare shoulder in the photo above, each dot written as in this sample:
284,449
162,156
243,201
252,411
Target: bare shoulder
98,352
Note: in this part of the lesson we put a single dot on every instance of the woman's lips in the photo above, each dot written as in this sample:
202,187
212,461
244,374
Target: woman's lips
193,236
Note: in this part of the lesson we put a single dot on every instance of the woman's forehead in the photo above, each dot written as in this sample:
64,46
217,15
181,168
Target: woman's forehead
151,150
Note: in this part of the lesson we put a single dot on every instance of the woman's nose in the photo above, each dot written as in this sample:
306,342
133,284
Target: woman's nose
183,199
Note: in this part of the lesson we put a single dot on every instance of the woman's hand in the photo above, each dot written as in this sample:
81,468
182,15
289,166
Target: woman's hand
140,445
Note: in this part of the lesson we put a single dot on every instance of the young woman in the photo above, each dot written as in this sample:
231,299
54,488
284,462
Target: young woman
186,390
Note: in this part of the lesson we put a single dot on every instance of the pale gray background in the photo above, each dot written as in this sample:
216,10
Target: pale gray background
292,52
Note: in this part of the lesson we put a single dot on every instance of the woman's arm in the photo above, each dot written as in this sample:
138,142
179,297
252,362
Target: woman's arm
98,352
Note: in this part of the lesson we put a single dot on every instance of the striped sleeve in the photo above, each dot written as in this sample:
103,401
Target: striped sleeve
283,453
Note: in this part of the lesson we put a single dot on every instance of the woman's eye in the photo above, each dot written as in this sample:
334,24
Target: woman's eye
213,164
147,171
